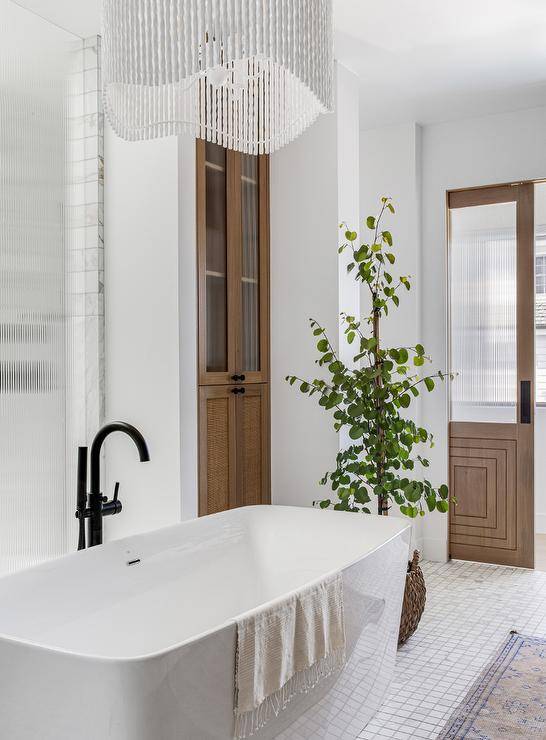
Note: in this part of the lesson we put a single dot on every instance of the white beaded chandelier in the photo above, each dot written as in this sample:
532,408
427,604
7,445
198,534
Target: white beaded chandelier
250,75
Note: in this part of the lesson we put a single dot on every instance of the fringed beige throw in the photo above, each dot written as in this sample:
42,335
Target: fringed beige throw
286,650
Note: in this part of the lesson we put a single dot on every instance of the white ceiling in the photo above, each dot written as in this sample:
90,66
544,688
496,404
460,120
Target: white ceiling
434,60
81,17
417,60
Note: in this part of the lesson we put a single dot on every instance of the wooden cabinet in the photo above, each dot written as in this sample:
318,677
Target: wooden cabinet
233,446
233,352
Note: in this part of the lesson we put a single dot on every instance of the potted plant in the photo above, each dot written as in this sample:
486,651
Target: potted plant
369,398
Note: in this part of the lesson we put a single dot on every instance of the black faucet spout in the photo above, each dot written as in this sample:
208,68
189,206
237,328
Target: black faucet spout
96,501
105,431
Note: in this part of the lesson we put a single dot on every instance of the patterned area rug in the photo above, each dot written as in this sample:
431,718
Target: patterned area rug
509,698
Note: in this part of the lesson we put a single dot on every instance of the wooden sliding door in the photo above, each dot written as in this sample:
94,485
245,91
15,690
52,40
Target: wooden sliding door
491,435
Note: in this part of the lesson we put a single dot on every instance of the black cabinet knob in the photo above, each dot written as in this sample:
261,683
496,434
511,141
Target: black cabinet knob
238,378
238,390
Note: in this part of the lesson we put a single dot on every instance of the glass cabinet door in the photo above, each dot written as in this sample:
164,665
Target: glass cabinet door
233,253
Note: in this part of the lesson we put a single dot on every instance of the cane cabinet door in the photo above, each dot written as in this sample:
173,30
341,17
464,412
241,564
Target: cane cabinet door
233,446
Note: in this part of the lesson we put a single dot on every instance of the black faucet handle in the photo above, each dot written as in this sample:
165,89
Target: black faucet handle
116,491
114,506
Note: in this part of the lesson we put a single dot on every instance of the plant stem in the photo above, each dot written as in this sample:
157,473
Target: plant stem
382,507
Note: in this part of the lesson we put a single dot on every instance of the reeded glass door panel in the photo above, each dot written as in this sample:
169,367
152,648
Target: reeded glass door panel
250,267
483,313
216,259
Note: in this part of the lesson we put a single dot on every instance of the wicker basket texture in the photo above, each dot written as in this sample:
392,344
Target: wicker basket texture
415,595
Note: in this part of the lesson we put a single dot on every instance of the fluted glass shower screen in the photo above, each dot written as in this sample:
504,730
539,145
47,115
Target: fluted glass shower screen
36,518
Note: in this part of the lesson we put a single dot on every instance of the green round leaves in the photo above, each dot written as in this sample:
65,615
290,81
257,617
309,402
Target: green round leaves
368,398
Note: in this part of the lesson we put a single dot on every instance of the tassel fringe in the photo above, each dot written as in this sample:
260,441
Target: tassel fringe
248,723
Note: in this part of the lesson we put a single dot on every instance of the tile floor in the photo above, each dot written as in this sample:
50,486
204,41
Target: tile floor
470,609
540,552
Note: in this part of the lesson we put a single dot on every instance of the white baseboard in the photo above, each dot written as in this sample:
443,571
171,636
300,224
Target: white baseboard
416,544
540,523
416,541
435,549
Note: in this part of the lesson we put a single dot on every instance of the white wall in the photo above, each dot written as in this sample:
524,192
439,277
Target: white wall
540,470
481,151
314,187
416,171
151,310
142,329
188,328
348,177
304,283
390,166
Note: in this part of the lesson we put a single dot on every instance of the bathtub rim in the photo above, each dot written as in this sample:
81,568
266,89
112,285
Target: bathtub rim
144,657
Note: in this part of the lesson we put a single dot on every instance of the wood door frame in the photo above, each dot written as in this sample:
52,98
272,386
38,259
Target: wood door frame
525,308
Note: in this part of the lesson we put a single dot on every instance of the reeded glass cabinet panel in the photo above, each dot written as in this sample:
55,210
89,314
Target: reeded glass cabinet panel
216,259
250,273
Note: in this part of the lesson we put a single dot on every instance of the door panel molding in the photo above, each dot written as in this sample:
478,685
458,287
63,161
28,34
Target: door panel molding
496,527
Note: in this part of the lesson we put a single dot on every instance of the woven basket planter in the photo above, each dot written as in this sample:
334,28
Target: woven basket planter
415,595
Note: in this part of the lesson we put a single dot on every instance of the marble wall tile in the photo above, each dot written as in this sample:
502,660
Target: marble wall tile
85,246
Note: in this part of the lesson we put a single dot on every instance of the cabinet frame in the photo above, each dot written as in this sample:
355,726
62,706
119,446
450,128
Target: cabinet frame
220,385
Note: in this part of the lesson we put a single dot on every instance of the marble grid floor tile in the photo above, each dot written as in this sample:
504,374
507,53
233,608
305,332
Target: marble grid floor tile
470,609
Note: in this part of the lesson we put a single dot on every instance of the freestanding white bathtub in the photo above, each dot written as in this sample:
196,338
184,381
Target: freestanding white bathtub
96,648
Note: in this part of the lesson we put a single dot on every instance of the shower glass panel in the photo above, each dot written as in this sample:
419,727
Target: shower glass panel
483,313
34,62
250,287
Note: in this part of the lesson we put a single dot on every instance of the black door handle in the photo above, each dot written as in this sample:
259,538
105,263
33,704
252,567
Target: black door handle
238,378
525,402
238,390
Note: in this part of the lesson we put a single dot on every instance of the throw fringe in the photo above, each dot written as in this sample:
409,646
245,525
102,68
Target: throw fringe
248,723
